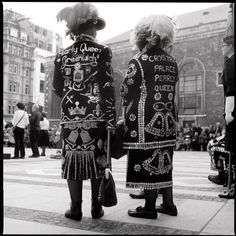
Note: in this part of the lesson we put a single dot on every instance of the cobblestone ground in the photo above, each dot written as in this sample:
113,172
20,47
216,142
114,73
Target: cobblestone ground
35,199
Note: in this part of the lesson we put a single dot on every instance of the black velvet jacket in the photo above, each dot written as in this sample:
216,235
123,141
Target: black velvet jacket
148,92
83,78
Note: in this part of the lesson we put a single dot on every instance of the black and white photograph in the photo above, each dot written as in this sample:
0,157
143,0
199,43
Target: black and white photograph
119,118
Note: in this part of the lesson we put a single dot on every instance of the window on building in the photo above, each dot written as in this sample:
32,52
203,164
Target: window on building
49,47
19,51
11,67
36,29
27,72
9,109
26,53
10,48
26,89
44,32
219,78
191,90
15,69
10,86
42,68
41,87
14,86
18,35
14,50
41,44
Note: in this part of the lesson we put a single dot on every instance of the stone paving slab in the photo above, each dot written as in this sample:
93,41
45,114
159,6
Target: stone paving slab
227,212
98,225
26,227
36,197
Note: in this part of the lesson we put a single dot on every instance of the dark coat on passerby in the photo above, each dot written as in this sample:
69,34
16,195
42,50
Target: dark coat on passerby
34,120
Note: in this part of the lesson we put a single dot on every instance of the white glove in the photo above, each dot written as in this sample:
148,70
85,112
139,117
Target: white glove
107,171
229,107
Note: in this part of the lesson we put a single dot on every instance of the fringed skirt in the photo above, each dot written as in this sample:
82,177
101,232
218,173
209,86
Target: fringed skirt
149,169
84,150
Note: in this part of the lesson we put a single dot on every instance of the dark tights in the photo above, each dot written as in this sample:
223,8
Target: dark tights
167,196
151,196
75,189
150,199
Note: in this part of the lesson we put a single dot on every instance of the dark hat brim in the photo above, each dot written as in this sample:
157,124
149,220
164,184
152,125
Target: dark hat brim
99,23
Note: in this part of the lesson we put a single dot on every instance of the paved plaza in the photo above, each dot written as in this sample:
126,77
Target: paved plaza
35,199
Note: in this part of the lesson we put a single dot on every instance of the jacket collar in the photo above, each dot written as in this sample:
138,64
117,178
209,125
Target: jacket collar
85,37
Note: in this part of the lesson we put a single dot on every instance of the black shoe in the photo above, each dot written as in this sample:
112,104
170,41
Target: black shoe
215,179
74,212
228,195
22,157
96,210
139,195
141,212
42,154
15,158
169,210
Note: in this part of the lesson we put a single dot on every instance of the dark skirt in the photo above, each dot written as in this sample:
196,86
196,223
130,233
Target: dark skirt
149,169
43,138
84,150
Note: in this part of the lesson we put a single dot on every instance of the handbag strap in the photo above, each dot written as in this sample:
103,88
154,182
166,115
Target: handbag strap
109,134
19,120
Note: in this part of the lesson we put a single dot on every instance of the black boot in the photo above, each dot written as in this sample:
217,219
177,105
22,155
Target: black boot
75,211
96,209
148,211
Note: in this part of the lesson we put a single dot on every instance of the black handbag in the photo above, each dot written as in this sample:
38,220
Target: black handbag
107,194
107,191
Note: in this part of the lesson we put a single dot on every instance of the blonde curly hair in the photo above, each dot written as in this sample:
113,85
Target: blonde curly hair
153,31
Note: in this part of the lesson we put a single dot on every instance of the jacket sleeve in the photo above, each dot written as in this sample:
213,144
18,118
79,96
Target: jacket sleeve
106,81
131,84
58,83
229,78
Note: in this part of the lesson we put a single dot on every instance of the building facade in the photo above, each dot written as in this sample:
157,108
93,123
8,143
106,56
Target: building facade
198,53
197,50
25,48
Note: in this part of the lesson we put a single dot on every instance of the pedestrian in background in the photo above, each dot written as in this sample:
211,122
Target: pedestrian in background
20,121
148,93
35,130
44,134
83,78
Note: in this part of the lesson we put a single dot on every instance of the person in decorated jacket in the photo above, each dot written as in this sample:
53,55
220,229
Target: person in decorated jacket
148,93
83,79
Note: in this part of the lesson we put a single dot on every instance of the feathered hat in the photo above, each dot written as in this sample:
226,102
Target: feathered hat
79,16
